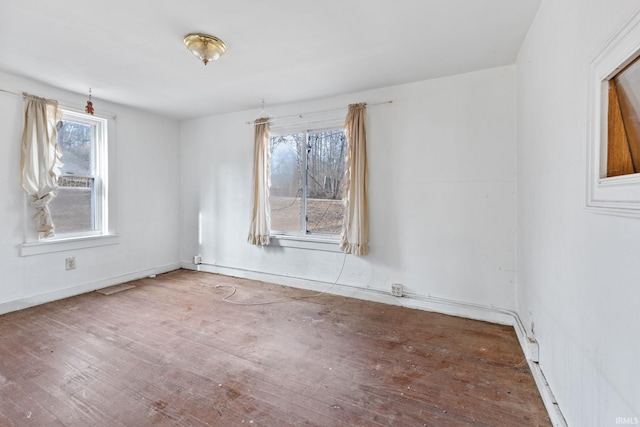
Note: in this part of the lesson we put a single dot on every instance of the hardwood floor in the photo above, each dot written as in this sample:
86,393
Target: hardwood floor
170,352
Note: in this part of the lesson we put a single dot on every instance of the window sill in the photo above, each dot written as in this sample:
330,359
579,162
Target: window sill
70,244
315,243
619,195
620,180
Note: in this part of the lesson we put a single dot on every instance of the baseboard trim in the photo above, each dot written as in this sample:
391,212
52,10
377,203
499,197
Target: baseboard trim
59,294
428,303
555,414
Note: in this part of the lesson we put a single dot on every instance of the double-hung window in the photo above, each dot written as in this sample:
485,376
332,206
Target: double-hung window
307,182
80,206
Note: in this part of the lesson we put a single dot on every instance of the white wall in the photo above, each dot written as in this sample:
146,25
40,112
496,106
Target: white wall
145,189
442,191
578,273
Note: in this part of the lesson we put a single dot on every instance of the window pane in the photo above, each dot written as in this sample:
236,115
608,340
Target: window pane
285,193
72,209
624,158
325,181
76,142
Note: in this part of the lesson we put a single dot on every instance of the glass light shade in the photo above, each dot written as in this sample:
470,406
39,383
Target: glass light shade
204,47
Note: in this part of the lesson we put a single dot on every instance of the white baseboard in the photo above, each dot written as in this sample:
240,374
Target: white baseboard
428,303
454,308
34,300
531,351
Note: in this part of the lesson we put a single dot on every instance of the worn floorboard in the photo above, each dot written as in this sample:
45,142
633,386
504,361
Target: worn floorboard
170,352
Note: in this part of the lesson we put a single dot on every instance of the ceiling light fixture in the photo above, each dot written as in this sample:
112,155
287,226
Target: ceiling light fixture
205,47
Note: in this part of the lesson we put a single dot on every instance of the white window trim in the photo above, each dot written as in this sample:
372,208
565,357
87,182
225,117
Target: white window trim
68,244
105,214
298,239
326,243
618,195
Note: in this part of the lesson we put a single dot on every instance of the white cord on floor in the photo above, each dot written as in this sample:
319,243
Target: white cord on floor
226,299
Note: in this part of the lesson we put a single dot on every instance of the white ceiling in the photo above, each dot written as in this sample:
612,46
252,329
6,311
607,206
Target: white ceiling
131,51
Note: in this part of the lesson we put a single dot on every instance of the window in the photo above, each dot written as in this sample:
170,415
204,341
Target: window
307,182
79,208
623,122
613,180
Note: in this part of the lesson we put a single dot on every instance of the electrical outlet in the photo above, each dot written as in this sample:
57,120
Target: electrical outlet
197,259
396,289
70,263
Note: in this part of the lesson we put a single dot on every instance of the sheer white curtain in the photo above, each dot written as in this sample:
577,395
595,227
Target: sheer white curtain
260,212
355,233
40,161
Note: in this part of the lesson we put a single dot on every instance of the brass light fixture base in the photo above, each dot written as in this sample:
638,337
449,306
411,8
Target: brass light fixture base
205,47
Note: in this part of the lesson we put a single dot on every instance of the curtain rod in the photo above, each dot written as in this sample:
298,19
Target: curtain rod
65,104
273,119
12,93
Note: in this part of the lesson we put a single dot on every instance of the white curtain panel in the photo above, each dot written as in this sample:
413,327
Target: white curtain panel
260,213
355,233
40,161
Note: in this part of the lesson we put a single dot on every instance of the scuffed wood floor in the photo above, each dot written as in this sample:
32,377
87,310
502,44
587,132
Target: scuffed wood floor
170,352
